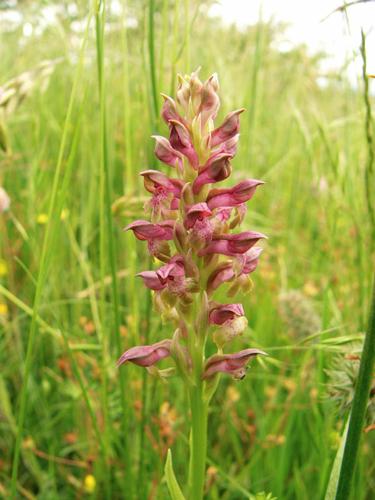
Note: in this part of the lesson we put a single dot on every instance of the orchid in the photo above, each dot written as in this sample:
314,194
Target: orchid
190,233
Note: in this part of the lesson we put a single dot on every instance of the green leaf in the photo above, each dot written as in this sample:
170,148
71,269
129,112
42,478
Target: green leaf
173,487
335,472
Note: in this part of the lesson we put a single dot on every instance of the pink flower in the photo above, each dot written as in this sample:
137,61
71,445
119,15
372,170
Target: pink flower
225,312
171,275
144,230
225,272
196,212
232,197
233,364
4,200
229,128
165,153
146,355
180,140
232,244
165,192
155,181
216,169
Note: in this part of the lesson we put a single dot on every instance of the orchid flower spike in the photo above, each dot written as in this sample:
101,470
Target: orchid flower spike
189,229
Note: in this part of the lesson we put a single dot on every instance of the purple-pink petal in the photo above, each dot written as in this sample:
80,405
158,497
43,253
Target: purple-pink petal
169,110
145,230
225,312
233,364
151,280
232,197
229,128
217,168
232,244
220,275
146,355
166,153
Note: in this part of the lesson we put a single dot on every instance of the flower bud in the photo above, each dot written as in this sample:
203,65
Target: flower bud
169,110
187,194
183,93
201,322
180,140
166,310
180,237
180,354
210,101
229,330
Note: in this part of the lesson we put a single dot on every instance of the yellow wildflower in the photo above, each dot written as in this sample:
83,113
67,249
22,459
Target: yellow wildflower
3,309
89,483
3,268
42,219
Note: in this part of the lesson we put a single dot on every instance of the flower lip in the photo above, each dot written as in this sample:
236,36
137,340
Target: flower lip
146,355
199,211
233,364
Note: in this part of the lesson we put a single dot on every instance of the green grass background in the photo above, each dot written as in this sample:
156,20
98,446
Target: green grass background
72,300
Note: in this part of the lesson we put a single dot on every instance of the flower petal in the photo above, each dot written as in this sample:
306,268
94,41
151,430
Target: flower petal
232,197
233,364
146,355
232,244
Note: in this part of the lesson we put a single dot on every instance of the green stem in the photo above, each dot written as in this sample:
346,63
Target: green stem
198,435
198,442
358,412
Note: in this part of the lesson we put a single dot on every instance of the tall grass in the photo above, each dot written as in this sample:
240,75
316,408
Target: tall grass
73,303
